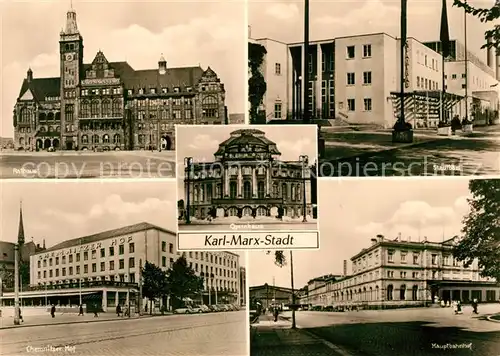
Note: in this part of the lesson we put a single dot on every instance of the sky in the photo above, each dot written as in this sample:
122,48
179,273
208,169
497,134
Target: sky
209,33
57,211
291,140
353,211
336,18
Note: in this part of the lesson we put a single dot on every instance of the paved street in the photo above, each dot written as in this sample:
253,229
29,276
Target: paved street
189,335
374,154
85,164
269,338
403,332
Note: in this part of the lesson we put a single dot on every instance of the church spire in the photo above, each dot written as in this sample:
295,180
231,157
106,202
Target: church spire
71,26
20,234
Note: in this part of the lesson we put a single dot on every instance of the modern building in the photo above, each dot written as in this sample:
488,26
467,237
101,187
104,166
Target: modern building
106,105
247,179
243,286
356,80
269,295
104,269
401,272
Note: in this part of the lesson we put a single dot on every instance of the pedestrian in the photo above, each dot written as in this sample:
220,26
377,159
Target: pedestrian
118,310
53,311
459,307
21,316
474,306
276,312
81,310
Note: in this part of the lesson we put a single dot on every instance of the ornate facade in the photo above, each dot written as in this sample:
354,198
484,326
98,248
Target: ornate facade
111,106
399,273
248,180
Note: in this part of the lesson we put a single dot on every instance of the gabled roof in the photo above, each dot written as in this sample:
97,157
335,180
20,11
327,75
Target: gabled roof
108,234
41,87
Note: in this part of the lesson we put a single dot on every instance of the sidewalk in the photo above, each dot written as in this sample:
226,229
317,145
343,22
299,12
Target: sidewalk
63,319
269,338
349,143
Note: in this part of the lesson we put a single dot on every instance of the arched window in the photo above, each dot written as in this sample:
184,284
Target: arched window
247,211
106,108
275,190
95,139
261,192
261,211
25,115
390,289
105,138
85,109
42,129
233,189
376,293
85,139
117,108
58,128
402,292
247,190
284,191
50,116
293,195
50,129
117,139
210,107
140,139
94,109
414,293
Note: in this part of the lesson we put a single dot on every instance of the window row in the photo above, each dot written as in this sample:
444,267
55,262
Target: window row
351,104
93,266
367,78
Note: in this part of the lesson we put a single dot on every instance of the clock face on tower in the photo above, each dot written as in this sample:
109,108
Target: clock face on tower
69,57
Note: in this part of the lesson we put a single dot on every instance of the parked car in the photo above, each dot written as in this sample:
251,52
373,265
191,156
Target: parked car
236,308
224,307
213,308
196,309
185,310
205,309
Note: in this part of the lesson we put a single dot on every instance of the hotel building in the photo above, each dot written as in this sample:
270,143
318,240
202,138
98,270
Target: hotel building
247,179
400,272
106,105
356,79
104,269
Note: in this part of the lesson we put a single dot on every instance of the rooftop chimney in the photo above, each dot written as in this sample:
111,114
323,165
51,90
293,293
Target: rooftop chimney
374,241
380,237
162,65
29,75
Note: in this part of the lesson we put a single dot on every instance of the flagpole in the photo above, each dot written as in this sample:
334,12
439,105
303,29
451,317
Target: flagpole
445,51
402,59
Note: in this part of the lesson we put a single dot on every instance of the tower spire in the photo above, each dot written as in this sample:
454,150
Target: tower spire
20,234
71,26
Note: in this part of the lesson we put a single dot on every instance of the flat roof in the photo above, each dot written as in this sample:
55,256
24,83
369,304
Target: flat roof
130,229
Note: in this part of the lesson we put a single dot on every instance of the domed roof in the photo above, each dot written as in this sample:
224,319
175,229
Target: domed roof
248,141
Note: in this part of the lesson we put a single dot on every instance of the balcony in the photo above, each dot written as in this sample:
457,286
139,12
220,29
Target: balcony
249,201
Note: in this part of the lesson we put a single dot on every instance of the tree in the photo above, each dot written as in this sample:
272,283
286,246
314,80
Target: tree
256,83
154,282
481,230
182,282
281,261
485,15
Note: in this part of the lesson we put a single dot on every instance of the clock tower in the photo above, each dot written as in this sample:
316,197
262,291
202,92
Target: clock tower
71,58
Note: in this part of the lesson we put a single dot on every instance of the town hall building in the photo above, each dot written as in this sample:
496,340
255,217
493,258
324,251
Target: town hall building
106,105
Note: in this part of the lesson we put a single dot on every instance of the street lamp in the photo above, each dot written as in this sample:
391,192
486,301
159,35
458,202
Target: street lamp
304,159
80,279
294,326
16,284
140,287
128,287
188,161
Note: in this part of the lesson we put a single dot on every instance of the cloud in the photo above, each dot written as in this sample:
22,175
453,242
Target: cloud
204,143
370,229
417,213
282,11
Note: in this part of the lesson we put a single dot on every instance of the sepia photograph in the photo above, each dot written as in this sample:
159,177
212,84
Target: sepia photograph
105,275
397,88
85,98
247,179
415,272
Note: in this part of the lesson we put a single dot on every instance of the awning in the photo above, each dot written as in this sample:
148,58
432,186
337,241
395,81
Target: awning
43,295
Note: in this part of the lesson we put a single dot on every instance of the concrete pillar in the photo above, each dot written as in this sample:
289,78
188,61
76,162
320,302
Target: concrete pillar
105,300
268,181
254,182
117,298
240,183
226,182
